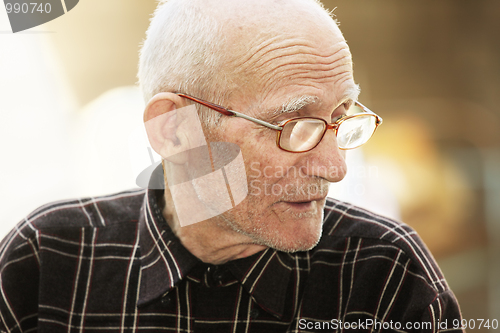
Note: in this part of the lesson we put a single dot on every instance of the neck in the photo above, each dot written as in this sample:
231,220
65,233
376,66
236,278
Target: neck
212,241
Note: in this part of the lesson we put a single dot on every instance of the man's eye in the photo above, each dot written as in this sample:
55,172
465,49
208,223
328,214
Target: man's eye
341,111
278,120
347,105
338,117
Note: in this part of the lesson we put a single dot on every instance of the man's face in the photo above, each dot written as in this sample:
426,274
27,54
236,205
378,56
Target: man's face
287,191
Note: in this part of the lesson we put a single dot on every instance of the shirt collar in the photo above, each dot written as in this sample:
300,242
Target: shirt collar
266,276
164,260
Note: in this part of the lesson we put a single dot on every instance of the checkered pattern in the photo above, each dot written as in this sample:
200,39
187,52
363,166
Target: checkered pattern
111,264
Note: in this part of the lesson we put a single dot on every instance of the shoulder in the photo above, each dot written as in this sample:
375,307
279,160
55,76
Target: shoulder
46,245
344,219
82,212
369,267
74,214
376,238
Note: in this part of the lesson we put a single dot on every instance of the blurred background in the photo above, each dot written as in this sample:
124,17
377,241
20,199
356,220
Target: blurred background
71,121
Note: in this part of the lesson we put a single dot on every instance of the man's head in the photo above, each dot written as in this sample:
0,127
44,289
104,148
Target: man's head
271,60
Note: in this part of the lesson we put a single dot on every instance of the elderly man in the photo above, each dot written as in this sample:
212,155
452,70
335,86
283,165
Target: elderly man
272,83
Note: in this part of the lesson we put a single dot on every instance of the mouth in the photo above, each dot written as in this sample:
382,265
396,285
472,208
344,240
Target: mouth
303,205
306,205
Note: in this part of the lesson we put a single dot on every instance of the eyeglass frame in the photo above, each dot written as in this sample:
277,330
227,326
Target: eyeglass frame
335,125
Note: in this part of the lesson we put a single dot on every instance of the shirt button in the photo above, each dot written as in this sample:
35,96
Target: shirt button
166,301
216,276
219,275
254,313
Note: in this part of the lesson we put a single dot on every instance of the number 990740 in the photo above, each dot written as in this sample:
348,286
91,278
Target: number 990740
26,8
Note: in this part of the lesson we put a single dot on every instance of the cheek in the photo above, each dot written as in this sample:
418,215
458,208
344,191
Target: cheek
260,178
260,154
258,144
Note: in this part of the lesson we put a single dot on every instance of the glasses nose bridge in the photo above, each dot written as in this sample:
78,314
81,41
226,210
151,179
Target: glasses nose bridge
333,126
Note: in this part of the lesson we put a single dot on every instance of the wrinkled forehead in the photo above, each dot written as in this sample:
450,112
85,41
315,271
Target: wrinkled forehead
297,53
268,43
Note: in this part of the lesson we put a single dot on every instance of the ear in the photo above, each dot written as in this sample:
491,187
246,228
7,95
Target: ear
172,127
162,103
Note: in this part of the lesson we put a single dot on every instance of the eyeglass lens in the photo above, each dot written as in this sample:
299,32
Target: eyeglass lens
356,131
304,134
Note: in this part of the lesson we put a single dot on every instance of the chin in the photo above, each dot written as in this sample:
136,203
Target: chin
302,237
280,228
297,245
291,248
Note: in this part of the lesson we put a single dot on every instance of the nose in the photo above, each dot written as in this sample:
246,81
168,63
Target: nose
326,160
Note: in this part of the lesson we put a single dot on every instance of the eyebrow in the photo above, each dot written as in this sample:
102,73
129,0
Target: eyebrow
351,93
295,104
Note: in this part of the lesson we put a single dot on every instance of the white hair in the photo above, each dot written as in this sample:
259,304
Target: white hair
184,52
180,52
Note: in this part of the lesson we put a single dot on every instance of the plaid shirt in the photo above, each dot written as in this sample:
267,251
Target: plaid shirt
111,264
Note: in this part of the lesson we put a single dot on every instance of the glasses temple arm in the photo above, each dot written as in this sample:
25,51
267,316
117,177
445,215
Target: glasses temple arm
209,105
379,118
230,113
255,120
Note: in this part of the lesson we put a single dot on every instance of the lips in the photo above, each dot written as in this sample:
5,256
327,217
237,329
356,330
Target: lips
305,200
302,205
299,207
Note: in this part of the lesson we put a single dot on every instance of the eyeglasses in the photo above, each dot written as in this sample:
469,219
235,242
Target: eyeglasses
298,135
